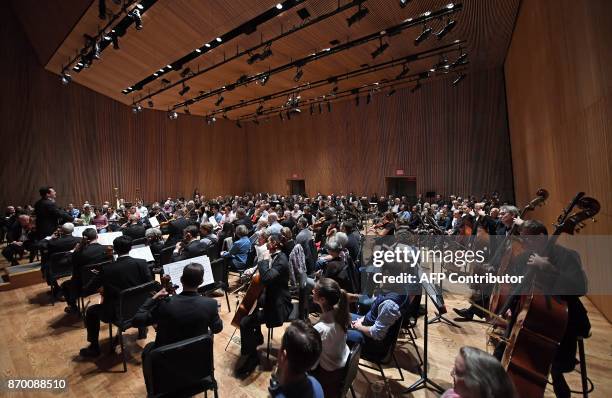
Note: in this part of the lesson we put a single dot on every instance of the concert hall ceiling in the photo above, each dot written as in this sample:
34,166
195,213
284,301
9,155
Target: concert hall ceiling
209,76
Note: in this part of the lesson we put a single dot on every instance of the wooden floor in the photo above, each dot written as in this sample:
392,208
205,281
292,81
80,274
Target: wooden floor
39,340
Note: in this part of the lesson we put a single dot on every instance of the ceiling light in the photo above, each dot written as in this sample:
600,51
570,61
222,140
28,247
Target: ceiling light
279,6
461,60
403,3
357,16
423,35
150,103
135,14
218,39
460,77
66,78
298,75
172,115
450,24
184,90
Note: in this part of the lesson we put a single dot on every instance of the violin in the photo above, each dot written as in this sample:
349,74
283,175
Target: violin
166,283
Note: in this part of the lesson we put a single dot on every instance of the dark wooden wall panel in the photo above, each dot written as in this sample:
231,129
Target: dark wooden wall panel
85,144
453,140
560,114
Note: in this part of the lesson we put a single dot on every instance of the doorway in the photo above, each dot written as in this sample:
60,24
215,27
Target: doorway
297,187
402,186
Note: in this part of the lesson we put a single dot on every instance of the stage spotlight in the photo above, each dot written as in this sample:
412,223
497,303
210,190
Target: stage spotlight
96,51
403,3
185,72
403,72
357,16
425,33
184,90
187,111
102,9
442,64
135,15
381,49
65,78
253,58
263,79
267,52
461,60
172,115
298,75
165,81
219,100
450,24
459,77
115,40
303,13
259,110
136,108
150,103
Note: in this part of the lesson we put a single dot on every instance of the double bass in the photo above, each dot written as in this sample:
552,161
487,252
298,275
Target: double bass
504,253
541,319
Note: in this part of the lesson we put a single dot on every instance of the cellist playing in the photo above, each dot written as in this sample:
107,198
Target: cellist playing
273,307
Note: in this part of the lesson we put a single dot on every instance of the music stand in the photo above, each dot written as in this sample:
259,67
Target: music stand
441,310
424,381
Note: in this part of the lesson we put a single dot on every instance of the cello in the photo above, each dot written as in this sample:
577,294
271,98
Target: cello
249,301
541,320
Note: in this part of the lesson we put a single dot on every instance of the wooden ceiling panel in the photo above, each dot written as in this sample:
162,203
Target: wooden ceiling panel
173,28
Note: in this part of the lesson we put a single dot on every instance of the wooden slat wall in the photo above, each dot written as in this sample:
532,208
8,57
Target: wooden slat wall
85,144
560,114
453,140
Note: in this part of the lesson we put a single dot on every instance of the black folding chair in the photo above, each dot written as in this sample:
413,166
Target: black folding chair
87,273
130,301
220,274
181,369
384,356
350,369
60,266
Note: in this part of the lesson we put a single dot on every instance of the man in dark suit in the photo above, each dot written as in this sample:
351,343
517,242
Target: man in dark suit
64,242
190,246
176,228
181,316
273,309
134,229
19,238
89,251
48,215
124,273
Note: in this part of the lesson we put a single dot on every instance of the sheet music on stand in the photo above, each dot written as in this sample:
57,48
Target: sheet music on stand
434,292
141,251
78,230
106,239
154,221
175,271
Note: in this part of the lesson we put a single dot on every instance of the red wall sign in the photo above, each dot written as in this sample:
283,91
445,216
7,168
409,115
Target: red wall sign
399,172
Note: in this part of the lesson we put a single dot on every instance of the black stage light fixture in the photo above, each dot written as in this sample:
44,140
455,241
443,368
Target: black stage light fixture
461,60
184,90
185,72
303,13
165,81
238,124
425,33
263,79
357,16
459,77
187,111
65,78
253,58
381,49
102,9
267,52
403,3
259,110
136,108
298,75
150,103
450,24
219,100
403,72
135,15
115,40
391,92
172,115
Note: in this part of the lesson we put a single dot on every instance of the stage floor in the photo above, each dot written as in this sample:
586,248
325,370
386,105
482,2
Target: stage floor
40,341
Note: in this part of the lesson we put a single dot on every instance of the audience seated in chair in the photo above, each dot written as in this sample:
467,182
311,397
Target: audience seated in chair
479,374
332,327
19,238
240,249
300,349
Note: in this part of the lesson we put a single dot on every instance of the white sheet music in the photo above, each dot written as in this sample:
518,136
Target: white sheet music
175,270
154,222
143,252
107,238
212,220
78,230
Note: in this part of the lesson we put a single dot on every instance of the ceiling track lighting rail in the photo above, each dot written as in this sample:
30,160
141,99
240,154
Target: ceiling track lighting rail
250,51
393,30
